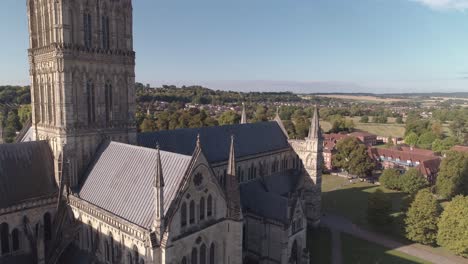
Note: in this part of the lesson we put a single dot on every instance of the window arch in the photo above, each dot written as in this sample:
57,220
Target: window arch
87,29
4,238
108,101
202,208
90,101
136,256
194,256
183,215
47,227
111,245
209,207
192,212
212,253
89,235
203,254
107,251
105,32
15,239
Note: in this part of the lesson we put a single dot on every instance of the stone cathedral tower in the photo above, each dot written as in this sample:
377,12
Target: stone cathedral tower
310,151
82,70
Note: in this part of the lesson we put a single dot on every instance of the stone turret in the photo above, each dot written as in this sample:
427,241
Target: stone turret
158,186
243,115
232,186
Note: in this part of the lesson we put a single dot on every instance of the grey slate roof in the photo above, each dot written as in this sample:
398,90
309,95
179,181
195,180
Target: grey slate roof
26,172
268,197
250,139
121,180
28,136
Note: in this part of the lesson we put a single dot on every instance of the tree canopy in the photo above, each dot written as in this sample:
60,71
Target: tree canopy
352,156
452,178
422,217
453,226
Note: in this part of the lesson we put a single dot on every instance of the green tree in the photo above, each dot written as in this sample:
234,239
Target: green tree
422,217
12,125
426,139
378,209
261,114
353,157
411,139
301,126
442,145
364,119
390,179
412,181
24,113
453,226
147,125
399,120
452,178
229,118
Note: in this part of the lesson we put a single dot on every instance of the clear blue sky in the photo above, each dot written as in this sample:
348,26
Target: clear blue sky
300,45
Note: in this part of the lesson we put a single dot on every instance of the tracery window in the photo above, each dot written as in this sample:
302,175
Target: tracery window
194,256
183,215
47,227
203,254
15,239
87,29
4,234
209,207
90,101
202,208
192,212
212,253
105,32
108,101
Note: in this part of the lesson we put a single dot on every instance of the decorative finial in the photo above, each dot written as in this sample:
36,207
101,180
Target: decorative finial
198,140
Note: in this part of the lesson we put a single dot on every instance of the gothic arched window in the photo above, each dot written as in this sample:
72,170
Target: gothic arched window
108,101
183,215
209,207
90,101
15,239
4,238
192,212
184,260
112,253
89,235
212,253
87,29
47,227
136,256
105,32
203,254
194,256
202,208
107,251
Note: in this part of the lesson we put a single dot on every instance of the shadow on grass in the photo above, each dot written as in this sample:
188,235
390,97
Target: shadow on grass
359,251
351,202
319,245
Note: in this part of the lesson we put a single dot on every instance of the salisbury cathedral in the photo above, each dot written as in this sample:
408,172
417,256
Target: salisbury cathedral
85,187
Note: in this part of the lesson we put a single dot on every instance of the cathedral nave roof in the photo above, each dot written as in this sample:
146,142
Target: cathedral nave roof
26,172
251,139
121,180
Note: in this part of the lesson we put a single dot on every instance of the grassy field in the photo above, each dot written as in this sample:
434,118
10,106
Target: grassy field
391,129
363,98
358,251
350,200
319,241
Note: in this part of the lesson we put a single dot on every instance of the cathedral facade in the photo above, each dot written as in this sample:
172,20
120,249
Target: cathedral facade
89,189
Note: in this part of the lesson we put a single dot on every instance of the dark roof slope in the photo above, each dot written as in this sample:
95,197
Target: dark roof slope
121,180
250,139
26,172
268,197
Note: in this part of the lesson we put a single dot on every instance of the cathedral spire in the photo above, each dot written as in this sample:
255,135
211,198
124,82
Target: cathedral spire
158,178
314,131
158,186
231,168
243,115
232,186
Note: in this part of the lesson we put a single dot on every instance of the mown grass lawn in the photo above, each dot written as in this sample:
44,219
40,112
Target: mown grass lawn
350,199
359,251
